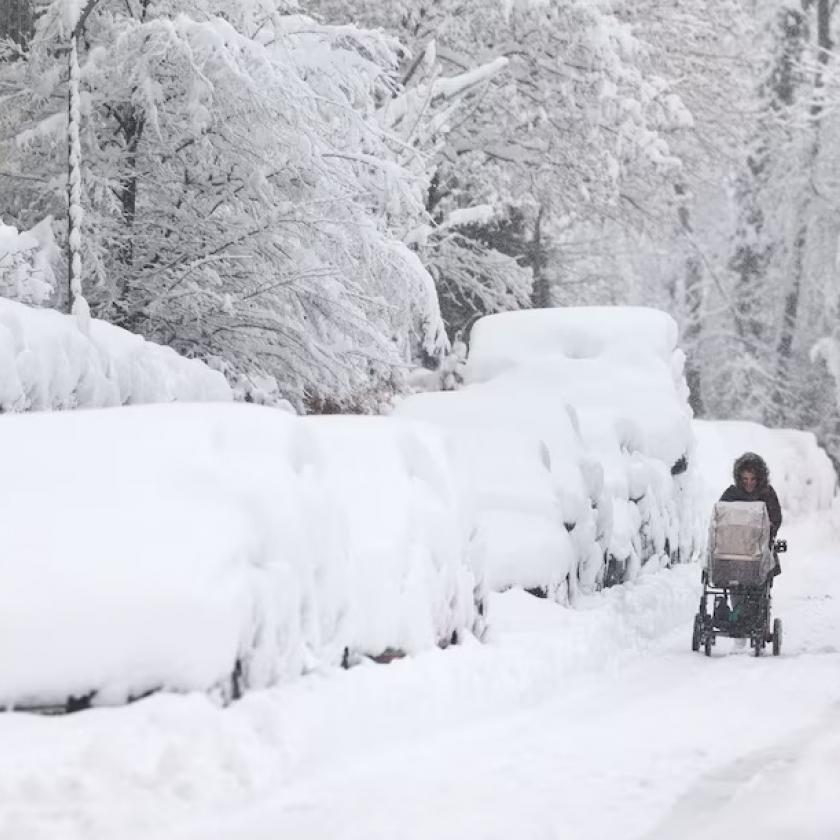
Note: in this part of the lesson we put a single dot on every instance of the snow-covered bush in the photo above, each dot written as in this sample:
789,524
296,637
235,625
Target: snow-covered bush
800,471
26,257
47,362
576,428
184,544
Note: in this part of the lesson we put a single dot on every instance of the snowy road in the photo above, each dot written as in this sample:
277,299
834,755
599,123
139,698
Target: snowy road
586,725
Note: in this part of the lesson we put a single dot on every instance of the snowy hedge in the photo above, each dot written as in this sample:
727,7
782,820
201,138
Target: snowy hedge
175,546
47,362
575,429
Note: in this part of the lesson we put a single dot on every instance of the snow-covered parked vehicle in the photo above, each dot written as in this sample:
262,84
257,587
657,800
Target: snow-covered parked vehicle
575,429
221,547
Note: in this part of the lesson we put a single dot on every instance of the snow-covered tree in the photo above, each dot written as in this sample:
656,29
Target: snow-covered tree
240,195
549,137
783,290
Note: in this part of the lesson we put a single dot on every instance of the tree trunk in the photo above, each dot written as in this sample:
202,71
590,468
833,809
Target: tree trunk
693,313
541,293
75,298
74,182
131,124
750,260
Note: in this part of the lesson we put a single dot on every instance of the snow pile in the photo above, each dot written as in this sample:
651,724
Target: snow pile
46,362
26,262
800,471
189,543
473,737
576,431
174,765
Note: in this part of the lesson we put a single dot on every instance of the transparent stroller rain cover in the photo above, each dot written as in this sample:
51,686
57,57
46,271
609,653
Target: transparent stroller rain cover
739,544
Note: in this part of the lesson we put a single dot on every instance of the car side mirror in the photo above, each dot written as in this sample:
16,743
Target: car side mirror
781,546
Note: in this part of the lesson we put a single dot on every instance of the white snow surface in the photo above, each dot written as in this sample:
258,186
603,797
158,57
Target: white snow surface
156,546
47,362
591,723
618,366
568,429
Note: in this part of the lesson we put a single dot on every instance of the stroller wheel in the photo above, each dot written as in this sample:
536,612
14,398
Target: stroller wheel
707,648
697,632
777,636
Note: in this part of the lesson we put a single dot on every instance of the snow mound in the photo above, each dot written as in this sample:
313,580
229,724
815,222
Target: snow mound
575,430
512,338
618,366
172,760
46,362
184,544
800,470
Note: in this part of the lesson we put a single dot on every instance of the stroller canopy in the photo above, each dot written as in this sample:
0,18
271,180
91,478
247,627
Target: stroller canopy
740,530
739,543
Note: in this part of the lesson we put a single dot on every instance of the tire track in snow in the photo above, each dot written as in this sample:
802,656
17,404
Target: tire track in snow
718,799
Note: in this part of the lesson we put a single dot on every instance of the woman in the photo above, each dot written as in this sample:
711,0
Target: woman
752,484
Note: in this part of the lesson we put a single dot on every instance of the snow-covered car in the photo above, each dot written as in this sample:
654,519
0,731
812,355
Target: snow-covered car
575,428
219,547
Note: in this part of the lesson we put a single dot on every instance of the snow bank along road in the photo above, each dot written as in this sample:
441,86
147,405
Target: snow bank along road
590,723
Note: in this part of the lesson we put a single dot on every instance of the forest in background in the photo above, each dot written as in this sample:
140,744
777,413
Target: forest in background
325,194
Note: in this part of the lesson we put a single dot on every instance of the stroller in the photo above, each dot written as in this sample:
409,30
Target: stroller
740,565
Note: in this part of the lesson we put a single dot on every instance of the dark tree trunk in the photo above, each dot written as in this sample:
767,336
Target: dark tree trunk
131,126
435,193
541,293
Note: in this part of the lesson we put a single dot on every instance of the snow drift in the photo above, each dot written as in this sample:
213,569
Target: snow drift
190,547
575,429
46,362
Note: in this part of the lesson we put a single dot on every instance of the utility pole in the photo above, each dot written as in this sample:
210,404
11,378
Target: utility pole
76,302
75,213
